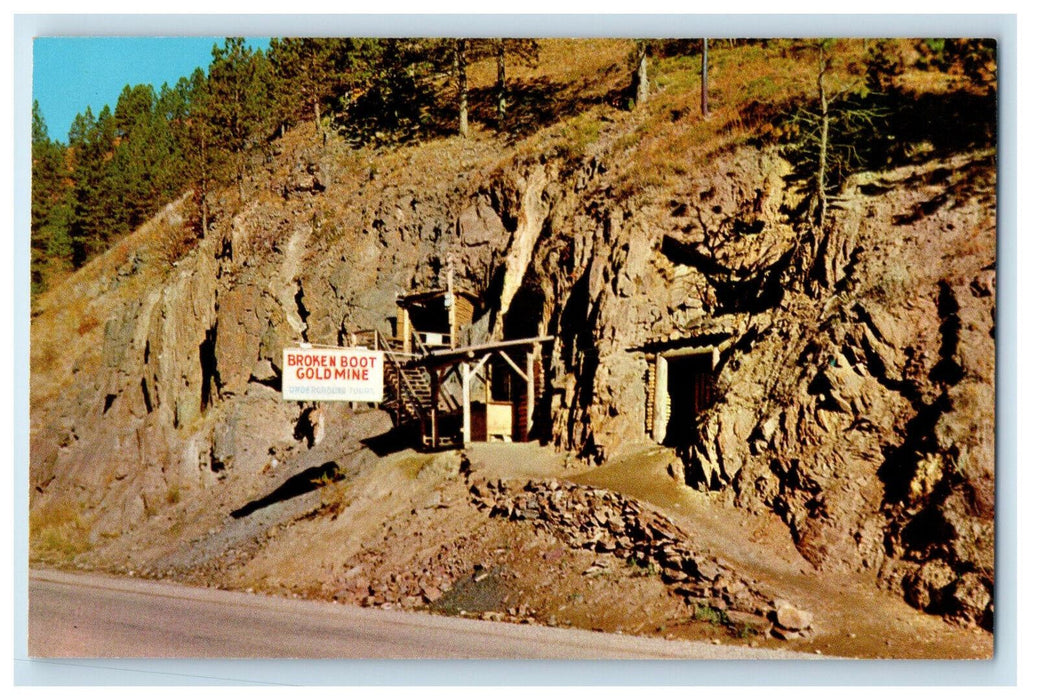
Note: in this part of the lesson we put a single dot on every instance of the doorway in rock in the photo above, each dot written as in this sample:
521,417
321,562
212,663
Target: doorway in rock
688,387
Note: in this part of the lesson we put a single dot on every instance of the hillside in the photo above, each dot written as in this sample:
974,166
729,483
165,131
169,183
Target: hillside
844,461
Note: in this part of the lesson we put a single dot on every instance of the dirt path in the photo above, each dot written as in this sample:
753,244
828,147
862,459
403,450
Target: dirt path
853,617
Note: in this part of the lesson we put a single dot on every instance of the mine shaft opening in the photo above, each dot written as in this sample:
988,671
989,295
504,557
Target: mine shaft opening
431,317
526,312
690,388
686,386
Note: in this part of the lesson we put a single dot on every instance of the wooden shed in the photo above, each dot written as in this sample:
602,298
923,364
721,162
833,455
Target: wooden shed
434,319
512,379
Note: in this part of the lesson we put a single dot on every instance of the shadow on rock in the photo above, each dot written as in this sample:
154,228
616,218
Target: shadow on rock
304,482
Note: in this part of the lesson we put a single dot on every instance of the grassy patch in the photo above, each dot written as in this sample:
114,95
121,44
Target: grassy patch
58,533
172,240
577,136
638,568
710,615
720,619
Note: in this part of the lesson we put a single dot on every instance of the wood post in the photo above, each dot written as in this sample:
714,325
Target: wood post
434,378
466,403
650,395
530,394
399,395
405,332
659,423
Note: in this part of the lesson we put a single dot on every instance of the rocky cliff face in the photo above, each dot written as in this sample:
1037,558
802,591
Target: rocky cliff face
854,377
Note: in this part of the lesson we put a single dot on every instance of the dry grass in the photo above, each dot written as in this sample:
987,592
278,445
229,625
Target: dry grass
567,62
171,241
674,137
58,532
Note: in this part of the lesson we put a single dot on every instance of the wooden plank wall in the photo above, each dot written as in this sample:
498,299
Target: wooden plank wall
650,394
462,311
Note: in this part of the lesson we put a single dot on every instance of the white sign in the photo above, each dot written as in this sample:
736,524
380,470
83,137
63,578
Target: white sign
332,374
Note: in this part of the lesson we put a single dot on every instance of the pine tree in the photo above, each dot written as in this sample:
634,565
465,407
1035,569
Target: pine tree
828,139
307,74
461,83
390,94
94,219
523,50
139,155
238,109
50,209
189,106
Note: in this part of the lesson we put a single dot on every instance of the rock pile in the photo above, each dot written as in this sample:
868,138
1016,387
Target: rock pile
609,523
408,589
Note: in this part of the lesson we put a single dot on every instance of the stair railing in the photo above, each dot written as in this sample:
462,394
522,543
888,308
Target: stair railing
401,381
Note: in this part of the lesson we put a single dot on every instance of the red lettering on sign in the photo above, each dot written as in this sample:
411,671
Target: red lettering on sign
313,366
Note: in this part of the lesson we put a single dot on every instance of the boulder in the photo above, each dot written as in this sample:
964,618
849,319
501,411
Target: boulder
791,618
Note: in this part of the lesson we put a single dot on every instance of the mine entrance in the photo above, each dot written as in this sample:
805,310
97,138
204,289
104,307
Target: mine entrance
690,390
685,386
431,321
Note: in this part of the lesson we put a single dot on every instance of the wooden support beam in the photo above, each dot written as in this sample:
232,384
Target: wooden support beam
405,332
433,412
466,404
659,420
453,369
446,356
399,394
452,315
530,393
510,361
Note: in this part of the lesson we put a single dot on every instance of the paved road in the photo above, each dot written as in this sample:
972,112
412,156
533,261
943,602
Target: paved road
87,615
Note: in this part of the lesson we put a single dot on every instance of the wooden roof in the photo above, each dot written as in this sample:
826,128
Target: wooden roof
684,341
438,358
422,297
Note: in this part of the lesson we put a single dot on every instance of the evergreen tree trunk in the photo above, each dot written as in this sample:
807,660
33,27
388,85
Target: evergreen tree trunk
823,146
501,106
204,203
642,74
204,206
315,97
818,255
463,91
704,96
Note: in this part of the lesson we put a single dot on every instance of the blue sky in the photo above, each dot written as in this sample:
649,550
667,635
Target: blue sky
71,73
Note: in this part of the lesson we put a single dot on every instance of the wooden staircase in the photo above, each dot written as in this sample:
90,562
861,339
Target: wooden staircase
409,394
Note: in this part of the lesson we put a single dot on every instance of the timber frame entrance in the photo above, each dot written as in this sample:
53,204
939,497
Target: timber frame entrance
435,392
507,410
681,384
